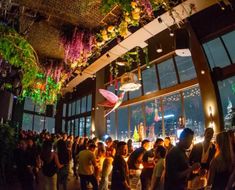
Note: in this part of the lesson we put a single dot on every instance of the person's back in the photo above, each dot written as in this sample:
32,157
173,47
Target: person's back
85,158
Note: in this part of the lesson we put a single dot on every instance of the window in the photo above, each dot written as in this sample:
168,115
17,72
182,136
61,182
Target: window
123,124
76,127
194,118
89,102
81,126
78,107
167,74
135,94
172,106
149,78
69,109
27,121
64,110
153,119
38,123
227,96
28,104
50,124
229,39
185,68
73,108
216,54
88,126
110,122
63,125
83,105
137,118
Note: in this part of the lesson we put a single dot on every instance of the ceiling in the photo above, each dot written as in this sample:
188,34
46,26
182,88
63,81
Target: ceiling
41,21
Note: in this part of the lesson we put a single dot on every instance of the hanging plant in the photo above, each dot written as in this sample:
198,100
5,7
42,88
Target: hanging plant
19,53
78,47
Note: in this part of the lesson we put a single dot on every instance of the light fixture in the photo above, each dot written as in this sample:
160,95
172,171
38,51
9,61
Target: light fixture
182,43
121,63
171,33
129,82
159,48
202,72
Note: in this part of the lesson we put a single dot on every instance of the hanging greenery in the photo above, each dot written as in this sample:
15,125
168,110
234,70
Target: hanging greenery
19,53
45,91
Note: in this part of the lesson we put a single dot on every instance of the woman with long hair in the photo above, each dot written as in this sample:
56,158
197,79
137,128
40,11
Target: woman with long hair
50,164
221,165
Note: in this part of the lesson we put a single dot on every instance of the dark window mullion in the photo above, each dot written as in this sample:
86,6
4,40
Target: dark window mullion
176,70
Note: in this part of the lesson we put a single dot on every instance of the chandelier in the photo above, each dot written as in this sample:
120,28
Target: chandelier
129,82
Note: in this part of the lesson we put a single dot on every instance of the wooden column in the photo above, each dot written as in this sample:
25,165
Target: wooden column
98,114
209,95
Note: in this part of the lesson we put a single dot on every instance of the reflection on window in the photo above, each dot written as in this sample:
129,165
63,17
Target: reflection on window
38,123
216,54
167,74
89,103
123,124
28,104
88,126
149,78
172,106
27,121
64,110
78,107
110,122
83,105
50,124
193,110
229,39
81,126
186,68
137,118
227,95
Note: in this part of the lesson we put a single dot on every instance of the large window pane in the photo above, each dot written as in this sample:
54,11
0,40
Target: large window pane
76,127
72,127
119,92
193,111
227,95
153,119
68,127
88,126
28,104
229,43
216,54
27,121
167,73
172,106
78,107
186,68
73,108
63,125
50,124
149,78
110,122
137,120
123,124
83,105
81,126
64,110
69,109
38,123
135,94
89,102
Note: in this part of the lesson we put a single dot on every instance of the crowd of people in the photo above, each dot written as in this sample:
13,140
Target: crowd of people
45,161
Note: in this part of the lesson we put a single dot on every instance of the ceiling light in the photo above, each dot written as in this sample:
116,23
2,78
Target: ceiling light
129,82
121,63
171,34
202,72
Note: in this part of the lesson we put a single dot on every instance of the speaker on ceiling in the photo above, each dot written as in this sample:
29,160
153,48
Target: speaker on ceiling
182,43
49,110
6,103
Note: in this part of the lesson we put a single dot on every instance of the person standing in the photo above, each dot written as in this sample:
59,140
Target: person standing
177,164
87,167
120,174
